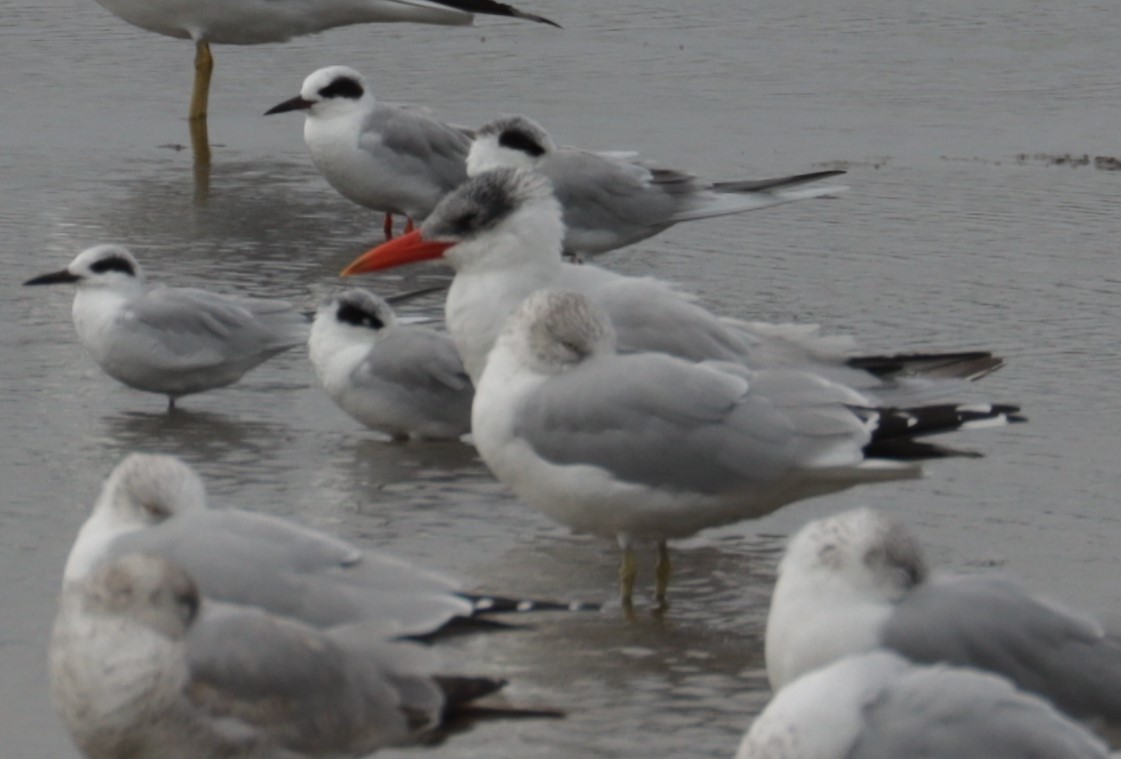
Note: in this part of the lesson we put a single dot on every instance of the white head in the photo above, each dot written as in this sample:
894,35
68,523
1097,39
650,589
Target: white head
497,220
146,589
552,331
331,92
102,266
142,491
514,142
837,586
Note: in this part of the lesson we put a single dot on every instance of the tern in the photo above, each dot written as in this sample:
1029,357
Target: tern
502,232
157,504
650,447
173,341
611,200
142,665
254,22
404,381
389,158
858,581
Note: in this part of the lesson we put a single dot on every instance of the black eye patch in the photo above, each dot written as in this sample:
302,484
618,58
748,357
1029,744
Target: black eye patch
343,87
113,263
349,313
516,139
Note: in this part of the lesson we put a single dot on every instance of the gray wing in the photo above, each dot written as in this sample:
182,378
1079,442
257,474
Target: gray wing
189,329
945,714
307,690
995,625
418,145
657,421
257,560
421,359
601,193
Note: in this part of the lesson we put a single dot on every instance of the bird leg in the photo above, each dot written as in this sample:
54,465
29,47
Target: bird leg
170,403
628,571
661,573
408,224
387,227
204,66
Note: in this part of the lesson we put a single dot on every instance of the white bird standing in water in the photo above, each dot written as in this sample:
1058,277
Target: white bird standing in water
143,666
650,447
386,157
170,340
615,199
404,381
502,232
253,22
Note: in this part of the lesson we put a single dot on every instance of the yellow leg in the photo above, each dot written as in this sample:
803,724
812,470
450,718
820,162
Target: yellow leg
662,573
628,570
204,66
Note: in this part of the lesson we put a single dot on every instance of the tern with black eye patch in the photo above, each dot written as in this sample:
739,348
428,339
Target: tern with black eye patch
404,381
170,340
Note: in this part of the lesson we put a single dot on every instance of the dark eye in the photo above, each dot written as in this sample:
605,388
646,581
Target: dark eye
113,263
465,221
157,510
343,87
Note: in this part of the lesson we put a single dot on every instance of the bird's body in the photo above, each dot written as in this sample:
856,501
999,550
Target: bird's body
878,706
404,381
858,582
502,232
385,157
169,340
652,447
157,504
142,666
611,200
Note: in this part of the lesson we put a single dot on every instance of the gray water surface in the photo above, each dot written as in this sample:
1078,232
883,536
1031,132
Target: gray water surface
963,229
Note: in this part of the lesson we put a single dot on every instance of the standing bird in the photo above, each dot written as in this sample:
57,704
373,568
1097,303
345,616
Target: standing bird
143,666
614,199
502,233
253,22
858,581
385,157
649,447
173,341
404,381
878,706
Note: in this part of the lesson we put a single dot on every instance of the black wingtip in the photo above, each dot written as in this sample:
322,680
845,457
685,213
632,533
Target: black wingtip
494,8
500,605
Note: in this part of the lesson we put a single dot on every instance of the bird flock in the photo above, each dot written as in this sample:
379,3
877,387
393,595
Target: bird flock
618,406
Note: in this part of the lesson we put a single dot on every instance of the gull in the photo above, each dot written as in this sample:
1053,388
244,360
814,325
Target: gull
405,381
157,504
142,666
386,157
502,231
879,706
253,22
611,200
858,581
173,341
649,447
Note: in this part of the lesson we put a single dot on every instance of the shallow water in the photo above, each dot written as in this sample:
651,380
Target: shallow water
962,230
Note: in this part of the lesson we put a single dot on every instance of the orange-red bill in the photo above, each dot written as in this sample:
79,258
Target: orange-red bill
397,252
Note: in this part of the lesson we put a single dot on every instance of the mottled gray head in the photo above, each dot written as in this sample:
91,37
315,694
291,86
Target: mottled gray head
148,589
553,331
145,489
863,549
360,309
101,265
330,91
